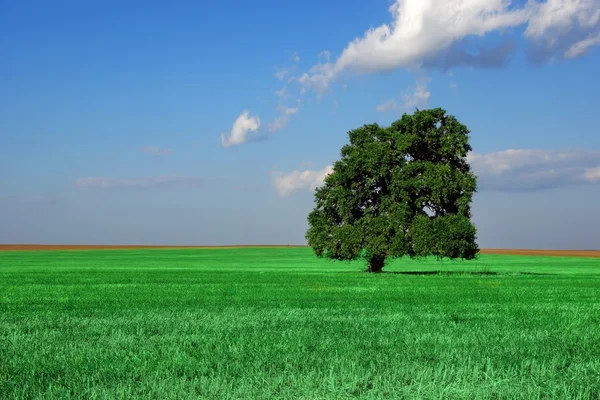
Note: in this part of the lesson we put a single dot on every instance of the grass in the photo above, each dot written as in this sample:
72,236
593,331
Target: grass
278,323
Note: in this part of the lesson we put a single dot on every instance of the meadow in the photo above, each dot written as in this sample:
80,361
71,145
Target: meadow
280,324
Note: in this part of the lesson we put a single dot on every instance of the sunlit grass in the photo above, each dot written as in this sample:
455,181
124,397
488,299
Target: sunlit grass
278,323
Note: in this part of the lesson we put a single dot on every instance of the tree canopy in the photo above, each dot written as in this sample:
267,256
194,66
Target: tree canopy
402,190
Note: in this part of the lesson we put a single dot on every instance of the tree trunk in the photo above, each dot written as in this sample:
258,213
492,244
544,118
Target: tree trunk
376,264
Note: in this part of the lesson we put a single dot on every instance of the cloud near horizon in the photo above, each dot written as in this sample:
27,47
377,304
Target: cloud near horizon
135,183
514,170
522,170
435,34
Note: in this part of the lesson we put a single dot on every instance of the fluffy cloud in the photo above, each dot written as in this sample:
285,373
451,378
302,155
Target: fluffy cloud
521,170
156,151
288,183
515,170
134,183
435,33
243,125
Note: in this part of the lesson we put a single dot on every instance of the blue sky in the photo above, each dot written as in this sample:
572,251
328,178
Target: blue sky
195,123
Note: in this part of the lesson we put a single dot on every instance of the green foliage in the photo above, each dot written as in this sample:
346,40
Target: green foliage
283,324
402,190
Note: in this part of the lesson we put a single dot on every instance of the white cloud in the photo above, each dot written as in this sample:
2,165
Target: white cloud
420,31
420,96
133,183
288,183
453,85
282,120
581,47
567,28
157,151
435,33
295,57
243,125
520,170
318,78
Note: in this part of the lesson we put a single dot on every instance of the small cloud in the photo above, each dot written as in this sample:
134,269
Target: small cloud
387,106
295,57
288,183
420,96
282,93
134,183
581,47
156,151
281,73
243,125
453,85
326,55
318,78
282,120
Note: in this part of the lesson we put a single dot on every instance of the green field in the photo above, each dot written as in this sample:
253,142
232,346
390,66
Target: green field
280,324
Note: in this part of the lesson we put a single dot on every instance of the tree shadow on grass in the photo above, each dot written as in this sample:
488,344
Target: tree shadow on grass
476,273
440,272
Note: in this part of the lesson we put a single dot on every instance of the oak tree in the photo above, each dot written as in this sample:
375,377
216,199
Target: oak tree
402,190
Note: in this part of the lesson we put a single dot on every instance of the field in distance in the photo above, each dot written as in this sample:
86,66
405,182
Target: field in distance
273,323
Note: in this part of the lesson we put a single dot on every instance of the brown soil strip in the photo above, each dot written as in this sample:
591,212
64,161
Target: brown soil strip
559,253
32,247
